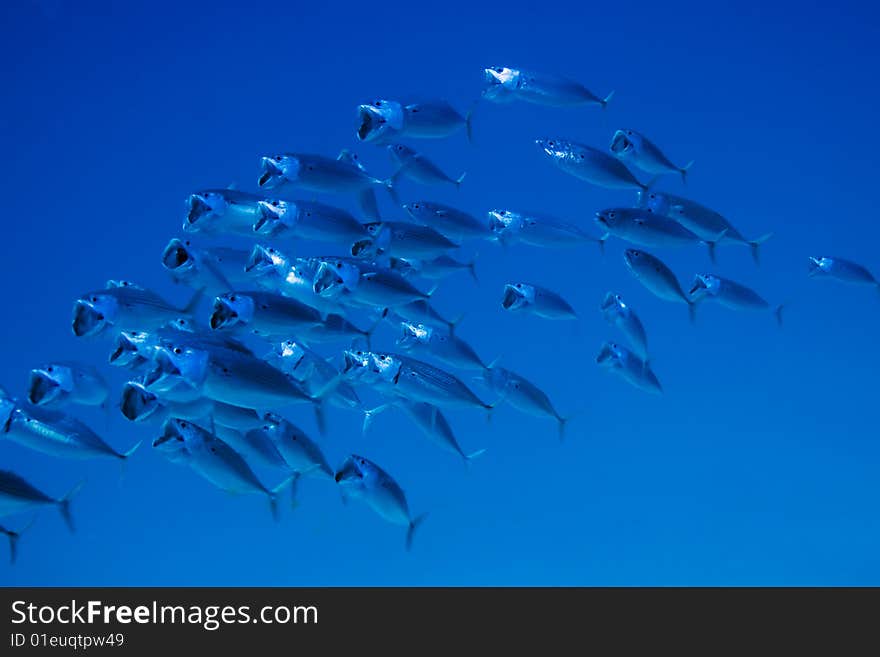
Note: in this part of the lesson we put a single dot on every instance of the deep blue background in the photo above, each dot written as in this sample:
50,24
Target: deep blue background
757,466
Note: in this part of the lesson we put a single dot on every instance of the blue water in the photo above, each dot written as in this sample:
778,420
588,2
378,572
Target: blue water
758,464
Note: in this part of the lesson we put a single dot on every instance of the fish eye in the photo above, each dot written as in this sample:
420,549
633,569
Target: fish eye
378,103
232,297
277,158
611,214
49,369
94,299
551,143
498,69
178,350
183,425
629,132
363,462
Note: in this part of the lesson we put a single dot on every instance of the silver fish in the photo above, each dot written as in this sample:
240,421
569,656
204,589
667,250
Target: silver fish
366,481
308,220
52,432
222,211
402,240
644,228
504,84
841,270
535,229
290,277
19,496
631,146
423,312
631,368
535,300
419,168
319,378
441,267
590,164
262,313
62,382
730,294
710,226
358,283
218,269
522,394
380,121
657,278
619,313
421,339
301,454
449,221
125,307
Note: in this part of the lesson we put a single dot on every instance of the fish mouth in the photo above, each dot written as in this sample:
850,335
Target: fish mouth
620,143
271,176
125,352
87,320
176,257
696,287
364,249
223,315
42,389
354,360
348,472
138,403
198,208
609,302
815,266
511,299
170,432
261,259
270,220
601,219
371,123
605,355
326,280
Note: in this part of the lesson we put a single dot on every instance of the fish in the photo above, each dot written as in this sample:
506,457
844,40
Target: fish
52,432
420,311
432,423
222,211
125,307
367,198
535,300
657,278
217,269
214,460
620,314
841,270
434,119
730,294
631,146
307,220
380,121
708,225
644,228
424,340
509,227
402,240
355,282
139,404
453,223
61,382
504,84
318,173
19,496
13,536
318,377
262,313
336,328
270,269
419,168
631,368
522,394
420,381
437,268
366,481
301,454
590,164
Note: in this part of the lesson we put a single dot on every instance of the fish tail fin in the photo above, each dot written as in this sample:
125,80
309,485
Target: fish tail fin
563,422
369,414
648,185
684,171
369,204
777,313
321,418
459,180
468,122
692,311
604,102
470,457
453,324
64,506
472,269
191,307
413,526
711,244
13,545
131,450
755,246
601,242
275,492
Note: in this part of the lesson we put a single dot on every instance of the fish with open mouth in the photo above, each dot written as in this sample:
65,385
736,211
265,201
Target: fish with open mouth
730,294
385,120
535,300
522,394
590,164
52,432
535,229
403,240
631,146
455,224
635,371
139,404
708,225
504,84
262,313
318,173
308,220
418,167
222,211
362,479
644,228
217,269
61,382
17,495
840,269
379,121
620,314
318,377
125,307
445,347
657,278
430,420
359,283
218,463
